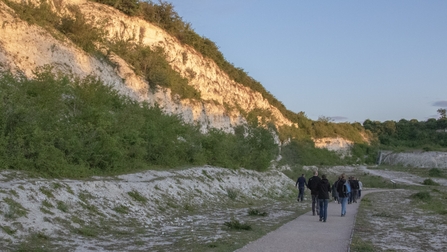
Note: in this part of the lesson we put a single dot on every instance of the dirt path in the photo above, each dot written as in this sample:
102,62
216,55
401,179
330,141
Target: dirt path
306,233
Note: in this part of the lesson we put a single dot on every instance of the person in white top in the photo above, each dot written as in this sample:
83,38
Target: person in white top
360,188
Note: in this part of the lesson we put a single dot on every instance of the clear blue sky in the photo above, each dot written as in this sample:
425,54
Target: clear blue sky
348,60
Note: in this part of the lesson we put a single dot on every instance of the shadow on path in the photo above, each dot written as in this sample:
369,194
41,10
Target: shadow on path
307,233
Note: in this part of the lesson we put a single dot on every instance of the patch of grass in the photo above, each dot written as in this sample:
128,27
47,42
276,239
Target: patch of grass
46,191
69,190
430,182
85,196
232,193
435,172
91,208
76,219
360,245
383,214
57,185
87,231
171,204
424,196
47,204
21,187
237,225
121,209
13,192
188,207
46,211
8,230
207,175
15,210
137,196
256,212
62,206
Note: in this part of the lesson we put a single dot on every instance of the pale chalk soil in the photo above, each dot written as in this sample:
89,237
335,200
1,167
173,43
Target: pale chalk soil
181,210
392,221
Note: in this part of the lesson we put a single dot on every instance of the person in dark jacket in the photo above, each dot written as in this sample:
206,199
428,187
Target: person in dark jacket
342,194
354,189
312,185
301,182
324,187
334,191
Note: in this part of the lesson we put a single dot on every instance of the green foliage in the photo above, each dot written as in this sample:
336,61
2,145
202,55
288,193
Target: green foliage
137,196
121,209
423,196
46,192
40,14
78,30
256,212
430,182
235,224
130,7
364,153
8,230
87,231
77,128
16,210
409,134
435,172
152,64
62,206
305,153
232,193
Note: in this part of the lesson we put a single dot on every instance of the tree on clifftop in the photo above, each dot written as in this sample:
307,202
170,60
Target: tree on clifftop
442,113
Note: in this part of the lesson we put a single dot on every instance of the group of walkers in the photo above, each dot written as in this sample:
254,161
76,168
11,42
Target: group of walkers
344,191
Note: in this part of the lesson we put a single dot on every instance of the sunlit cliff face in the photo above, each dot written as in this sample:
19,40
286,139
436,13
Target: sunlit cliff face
24,47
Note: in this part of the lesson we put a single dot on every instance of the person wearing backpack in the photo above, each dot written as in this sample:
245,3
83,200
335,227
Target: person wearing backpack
312,185
343,194
323,187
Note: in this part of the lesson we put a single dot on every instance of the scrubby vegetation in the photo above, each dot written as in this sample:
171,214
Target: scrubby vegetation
428,135
64,127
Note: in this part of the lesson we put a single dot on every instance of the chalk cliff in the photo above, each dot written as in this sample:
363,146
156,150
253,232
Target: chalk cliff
25,47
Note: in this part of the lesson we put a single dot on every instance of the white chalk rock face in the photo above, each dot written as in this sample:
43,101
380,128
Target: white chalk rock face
25,47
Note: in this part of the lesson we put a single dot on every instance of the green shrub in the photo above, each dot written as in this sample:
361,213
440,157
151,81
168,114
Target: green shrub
424,196
232,193
430,182
130,7
137,196
76,27
79,128
62,206
435,172
256,212
121,209
235,224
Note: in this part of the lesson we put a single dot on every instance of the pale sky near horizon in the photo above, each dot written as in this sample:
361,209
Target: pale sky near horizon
348,60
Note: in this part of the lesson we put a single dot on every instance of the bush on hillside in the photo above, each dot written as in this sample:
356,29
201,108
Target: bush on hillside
60,127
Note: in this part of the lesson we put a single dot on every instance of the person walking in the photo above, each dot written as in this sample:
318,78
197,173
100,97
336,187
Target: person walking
312,185
342,190
334,191
348,185
324,187
360,188
300,183
354,189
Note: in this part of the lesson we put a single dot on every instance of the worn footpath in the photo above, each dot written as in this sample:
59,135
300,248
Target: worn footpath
307,233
